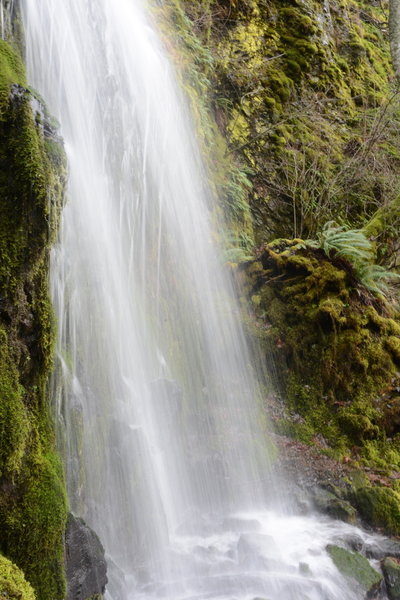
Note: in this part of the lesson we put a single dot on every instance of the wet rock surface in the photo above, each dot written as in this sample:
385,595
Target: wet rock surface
357,567
391,571
86,567
328,503
385,547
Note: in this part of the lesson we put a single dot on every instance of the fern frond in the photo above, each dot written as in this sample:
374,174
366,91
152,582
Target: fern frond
356,248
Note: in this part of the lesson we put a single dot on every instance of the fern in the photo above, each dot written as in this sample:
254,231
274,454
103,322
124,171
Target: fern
352,244
240,250
377,279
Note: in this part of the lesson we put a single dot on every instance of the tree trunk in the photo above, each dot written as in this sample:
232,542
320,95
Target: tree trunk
394,34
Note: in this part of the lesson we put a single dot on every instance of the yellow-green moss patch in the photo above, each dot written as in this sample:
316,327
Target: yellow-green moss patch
13,585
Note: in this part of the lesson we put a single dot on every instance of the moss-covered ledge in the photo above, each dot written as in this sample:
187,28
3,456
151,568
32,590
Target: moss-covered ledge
32,179
336,347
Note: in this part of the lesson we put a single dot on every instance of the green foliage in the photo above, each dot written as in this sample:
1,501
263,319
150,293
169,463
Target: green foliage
234,193
336,240
377,279
352,244
13,585
238,248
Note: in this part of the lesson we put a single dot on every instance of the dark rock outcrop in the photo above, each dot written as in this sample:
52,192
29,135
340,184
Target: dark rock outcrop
86,566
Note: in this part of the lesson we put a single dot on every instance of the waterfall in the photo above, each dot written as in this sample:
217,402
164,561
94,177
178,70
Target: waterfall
165,445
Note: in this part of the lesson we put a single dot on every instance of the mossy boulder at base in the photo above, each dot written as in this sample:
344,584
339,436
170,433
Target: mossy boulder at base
13,585
355,566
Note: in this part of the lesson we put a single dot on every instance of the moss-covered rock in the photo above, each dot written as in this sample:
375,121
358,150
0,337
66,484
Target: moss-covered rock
335,349
332,505
356,567
13,585
379,506
32,178
391,571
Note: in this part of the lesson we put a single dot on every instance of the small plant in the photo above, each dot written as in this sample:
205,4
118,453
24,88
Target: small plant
377,279
240,250
234,192
352,245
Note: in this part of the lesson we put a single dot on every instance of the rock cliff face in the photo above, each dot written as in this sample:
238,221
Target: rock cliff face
298,107
304,95
32,178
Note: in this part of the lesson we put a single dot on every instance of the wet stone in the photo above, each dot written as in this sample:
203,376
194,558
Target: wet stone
354,542
86,568
331,505
357,567
238,524
381,548
258,551
304,569
391,571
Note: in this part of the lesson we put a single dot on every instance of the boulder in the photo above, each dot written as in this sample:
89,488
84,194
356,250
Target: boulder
391,571
379,506
380,548
86,568
259,551
353,541
356,567
335,507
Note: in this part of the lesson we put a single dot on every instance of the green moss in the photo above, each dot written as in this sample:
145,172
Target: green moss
383,228
32,178
299,431
13,585
11,71
331,504
379,506
335,347
34,525
355,566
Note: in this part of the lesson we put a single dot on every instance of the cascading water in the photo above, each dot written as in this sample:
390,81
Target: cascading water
163,442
